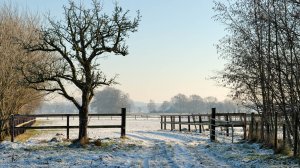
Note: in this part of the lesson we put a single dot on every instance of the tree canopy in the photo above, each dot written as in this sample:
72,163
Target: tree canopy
78,42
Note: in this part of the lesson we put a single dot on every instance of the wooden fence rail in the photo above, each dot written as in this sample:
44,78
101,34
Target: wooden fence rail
16,126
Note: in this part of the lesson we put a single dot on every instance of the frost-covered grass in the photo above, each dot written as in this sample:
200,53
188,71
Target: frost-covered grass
145,146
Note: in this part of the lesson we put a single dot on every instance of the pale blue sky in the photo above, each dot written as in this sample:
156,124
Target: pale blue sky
172,52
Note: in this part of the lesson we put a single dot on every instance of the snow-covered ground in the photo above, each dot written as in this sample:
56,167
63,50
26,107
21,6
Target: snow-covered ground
145,146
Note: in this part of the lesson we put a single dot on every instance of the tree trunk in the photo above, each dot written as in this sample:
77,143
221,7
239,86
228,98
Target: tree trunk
83,117
83,123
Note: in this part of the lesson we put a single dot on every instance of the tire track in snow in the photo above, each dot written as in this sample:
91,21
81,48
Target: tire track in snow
173,148
165,151
162,154
206,160
183,156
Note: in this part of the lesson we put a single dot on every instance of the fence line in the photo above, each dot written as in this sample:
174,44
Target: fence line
254,127
21,126
211,121
6,129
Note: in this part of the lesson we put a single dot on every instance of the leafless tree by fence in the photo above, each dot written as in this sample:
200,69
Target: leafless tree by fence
15,98
78,41
262,49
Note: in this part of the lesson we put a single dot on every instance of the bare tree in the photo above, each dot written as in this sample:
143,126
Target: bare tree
262,49
77,41
15,98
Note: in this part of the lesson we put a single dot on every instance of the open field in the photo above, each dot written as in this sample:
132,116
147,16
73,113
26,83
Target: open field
145,146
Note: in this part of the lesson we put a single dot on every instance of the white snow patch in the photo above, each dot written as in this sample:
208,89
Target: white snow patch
146,146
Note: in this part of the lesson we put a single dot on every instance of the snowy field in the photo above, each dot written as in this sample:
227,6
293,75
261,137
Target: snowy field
145,146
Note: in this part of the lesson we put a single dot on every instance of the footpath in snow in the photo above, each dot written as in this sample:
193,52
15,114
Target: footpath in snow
145,146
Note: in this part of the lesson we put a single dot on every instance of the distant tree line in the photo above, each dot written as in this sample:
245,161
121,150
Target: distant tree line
181,103
111,100
56,107
108,100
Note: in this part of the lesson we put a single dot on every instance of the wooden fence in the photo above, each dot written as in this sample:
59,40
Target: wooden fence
16,127
254,128
20,121
26,121
210,121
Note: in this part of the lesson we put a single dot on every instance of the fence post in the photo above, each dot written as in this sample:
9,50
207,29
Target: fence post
227,125
123,123
171,120
12,128
68,125
251,129
174,122
189,126
179,118
161,122
296,135
213,124
245,126
276,130
200,120
165,122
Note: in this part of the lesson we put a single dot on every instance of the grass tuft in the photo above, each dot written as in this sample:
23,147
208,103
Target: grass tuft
26,135
284,149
